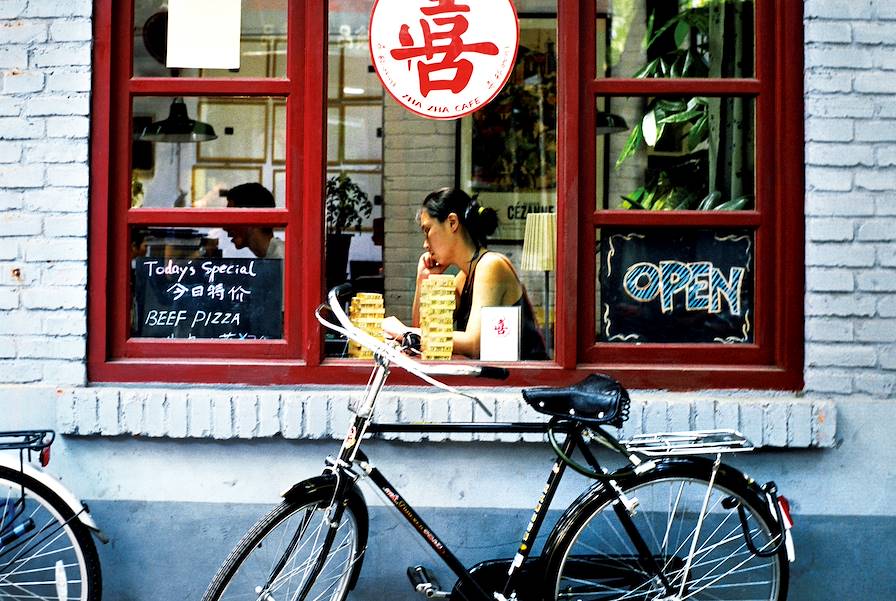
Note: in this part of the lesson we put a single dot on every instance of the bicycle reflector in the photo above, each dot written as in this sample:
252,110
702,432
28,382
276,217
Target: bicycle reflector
784,504
45,456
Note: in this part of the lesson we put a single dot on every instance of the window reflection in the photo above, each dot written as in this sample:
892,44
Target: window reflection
262,41
689,153
171,171
397,158
678,38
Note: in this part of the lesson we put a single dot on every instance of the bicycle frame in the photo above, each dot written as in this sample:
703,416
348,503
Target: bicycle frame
354,455
350,455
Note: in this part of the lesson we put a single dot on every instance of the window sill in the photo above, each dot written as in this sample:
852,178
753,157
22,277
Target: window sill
316,412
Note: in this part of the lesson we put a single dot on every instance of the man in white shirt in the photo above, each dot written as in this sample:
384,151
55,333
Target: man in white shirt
260,240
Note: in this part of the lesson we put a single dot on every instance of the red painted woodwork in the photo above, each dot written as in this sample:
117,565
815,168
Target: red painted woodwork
775,360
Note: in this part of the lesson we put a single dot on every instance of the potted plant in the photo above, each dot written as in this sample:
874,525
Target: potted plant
347,206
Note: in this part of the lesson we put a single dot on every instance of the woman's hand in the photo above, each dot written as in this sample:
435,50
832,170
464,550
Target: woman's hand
427,266
393,328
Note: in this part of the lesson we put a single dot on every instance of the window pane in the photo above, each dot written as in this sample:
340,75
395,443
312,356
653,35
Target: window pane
682,285
222,283
505,153
675,38
262,42
172,170
693,153
363,125
354,198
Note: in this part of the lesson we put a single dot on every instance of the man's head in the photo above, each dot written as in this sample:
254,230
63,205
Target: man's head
250,196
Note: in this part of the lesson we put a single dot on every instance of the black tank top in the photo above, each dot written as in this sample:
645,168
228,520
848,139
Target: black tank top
531,341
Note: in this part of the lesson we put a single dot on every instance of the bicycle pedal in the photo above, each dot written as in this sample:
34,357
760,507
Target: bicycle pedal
425,583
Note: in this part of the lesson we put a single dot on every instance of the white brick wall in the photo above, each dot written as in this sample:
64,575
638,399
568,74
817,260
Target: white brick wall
44,124
419,158
850,180
44,176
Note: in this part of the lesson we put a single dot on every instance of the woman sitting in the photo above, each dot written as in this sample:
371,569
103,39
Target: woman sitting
455,230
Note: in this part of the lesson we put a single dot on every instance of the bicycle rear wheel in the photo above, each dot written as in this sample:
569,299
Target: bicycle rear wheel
45,552
300,523
594,558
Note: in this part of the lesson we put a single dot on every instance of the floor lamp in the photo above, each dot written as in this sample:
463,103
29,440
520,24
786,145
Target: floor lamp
539,252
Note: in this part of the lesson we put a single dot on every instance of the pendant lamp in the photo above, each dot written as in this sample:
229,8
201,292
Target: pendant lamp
609,123
178,127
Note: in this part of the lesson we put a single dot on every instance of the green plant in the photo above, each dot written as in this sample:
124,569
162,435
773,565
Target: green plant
683,46
347,205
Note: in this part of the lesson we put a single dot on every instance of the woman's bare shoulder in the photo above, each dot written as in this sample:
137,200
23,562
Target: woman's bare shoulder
497,266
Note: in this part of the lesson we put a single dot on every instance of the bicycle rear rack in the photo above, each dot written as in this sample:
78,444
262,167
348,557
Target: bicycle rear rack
688,443
30,440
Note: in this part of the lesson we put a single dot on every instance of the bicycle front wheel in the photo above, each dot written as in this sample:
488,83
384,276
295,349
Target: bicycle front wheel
595,558
45,552
291,537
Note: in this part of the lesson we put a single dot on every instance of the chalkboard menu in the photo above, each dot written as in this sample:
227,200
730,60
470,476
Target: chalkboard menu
208,298
676,286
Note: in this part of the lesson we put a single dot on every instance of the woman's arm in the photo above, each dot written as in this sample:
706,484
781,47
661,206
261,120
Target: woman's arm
494,285
426,266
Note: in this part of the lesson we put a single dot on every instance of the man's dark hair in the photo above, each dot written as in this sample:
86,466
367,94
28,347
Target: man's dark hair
251,196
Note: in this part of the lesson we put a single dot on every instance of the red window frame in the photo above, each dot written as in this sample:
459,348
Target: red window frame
773,360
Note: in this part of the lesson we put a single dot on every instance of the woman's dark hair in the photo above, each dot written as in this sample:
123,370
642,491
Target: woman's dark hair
480,222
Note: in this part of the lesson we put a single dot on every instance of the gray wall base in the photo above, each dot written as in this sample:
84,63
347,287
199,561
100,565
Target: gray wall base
169,551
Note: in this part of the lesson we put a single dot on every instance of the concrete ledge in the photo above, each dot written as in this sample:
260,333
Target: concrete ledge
767,419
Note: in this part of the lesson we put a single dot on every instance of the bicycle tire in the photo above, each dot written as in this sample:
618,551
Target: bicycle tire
591,557
250,563
57,557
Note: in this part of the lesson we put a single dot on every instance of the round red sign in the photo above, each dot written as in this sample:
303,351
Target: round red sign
443,59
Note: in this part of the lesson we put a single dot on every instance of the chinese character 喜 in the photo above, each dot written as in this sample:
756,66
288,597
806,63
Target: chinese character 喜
463,69
500,327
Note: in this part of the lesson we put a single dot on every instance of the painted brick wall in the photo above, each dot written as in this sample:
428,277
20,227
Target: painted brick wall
851,256
44,107
850,201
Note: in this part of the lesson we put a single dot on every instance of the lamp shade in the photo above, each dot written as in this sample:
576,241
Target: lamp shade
609,123
539,242
178,127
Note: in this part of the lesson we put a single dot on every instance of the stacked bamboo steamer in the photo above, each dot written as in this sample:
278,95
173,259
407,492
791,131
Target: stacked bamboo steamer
437,316
366,312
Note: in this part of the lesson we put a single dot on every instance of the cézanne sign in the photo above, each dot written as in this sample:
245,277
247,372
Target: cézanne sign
443,59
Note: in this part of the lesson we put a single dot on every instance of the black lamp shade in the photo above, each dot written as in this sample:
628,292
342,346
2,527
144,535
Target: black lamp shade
178,127
610,123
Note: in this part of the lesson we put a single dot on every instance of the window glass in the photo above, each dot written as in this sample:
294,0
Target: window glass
223,283
354,189
176,163
506,153
262,41
692,153
675,38
675,285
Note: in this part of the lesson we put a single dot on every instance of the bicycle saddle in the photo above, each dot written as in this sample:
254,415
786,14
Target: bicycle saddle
596,400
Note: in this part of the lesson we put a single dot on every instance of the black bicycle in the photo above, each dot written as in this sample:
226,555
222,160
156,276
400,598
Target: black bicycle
46,534
668,526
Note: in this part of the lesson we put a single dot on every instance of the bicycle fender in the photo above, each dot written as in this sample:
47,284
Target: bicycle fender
311,486
324,485
73,503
